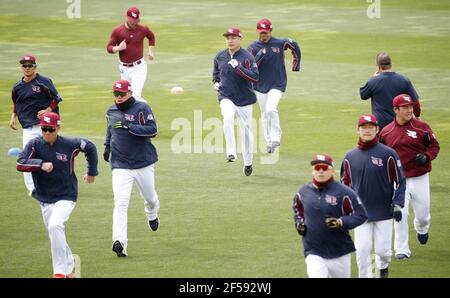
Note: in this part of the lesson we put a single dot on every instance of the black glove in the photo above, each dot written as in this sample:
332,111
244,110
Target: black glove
421,159
333,223
397,213
122,124
106,154
301,228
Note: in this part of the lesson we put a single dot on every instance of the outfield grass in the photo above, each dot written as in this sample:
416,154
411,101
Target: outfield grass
215,222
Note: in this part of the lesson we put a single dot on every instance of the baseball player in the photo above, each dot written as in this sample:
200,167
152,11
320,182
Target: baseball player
383,87
374,172
324,212
130,125
50,158
269,55
234,72
417,146
32,96
128,40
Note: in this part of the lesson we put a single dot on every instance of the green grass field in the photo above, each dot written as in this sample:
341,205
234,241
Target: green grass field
215,222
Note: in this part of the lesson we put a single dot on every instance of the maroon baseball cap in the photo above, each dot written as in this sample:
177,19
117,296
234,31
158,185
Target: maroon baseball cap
233,31
122,86
402,100
50,119
133,13
28,58
264,25
322,158
367,118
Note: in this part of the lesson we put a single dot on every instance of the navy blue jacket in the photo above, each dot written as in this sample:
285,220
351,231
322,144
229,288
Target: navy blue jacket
377,177
236,83
29,98
61,183
271,65
312,206
382,89
132,148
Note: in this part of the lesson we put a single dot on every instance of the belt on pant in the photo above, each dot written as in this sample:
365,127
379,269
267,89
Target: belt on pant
131,64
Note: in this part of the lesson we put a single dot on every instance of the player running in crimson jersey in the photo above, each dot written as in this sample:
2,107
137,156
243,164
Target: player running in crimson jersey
269,55
374,171
32,96
417,146
50,158
324,212
128,40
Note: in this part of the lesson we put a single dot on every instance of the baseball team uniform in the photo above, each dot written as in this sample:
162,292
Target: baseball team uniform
57,191
28,99
271,85
132,159
236,96
374,172
132,66
408,140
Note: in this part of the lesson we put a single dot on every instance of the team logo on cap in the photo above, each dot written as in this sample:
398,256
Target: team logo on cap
367,118
134,15
320,157
407,98
47,119
119,85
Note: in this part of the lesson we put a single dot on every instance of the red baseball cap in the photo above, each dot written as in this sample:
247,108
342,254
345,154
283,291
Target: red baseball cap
122,86
28,58
264,25
322,158
402,100
133,13
233,31
50,119
367,118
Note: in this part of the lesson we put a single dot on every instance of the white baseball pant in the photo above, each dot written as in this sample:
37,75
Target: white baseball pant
268,104
122,182
29,134
136,75
418,193
380,232
244,115
318,267
55,216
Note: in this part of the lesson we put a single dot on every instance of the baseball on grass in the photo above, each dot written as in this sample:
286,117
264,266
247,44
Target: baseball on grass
14,151
176,90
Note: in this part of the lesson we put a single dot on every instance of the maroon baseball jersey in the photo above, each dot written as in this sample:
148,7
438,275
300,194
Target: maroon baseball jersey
133,38
408,140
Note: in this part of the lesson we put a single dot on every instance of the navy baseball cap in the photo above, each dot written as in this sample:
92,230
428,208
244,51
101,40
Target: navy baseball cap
322,158
28,58
367,118
233,31
402,100
50,119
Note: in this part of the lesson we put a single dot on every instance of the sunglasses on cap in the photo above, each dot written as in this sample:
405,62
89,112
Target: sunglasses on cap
119,93
48,129
27,65
322,166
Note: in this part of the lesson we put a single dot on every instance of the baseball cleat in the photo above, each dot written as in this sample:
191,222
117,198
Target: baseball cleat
153,224
248,170
231,158
59,275
401,256
118,249
423,238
